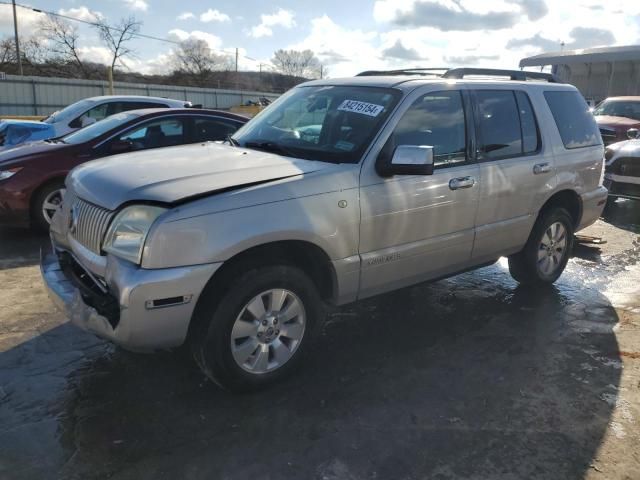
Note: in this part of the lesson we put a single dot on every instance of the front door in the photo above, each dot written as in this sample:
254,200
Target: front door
418,227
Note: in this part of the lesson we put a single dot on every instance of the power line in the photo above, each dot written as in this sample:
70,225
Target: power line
86,22
94,24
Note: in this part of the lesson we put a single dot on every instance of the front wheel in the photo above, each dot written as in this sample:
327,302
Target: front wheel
547,251
47,202
257,332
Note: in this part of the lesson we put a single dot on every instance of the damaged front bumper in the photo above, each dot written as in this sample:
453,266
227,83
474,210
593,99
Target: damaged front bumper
136,308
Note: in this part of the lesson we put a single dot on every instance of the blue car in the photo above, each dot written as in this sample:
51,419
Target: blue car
15,132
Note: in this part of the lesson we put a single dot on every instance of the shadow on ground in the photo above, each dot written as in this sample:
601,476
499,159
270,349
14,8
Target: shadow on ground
623,213
467,377
20,247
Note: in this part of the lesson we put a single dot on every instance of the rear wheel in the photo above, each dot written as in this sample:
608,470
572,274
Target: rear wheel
47,202
547,251
257,332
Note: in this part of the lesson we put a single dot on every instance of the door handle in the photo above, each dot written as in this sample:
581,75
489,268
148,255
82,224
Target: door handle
539,168
461,182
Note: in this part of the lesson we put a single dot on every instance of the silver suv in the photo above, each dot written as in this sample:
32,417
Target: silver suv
340,190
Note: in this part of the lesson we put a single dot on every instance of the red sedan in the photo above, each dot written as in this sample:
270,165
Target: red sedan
616,116
32,176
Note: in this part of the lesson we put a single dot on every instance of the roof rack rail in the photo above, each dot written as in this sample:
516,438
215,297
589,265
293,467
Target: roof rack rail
405,71
520,75
459,73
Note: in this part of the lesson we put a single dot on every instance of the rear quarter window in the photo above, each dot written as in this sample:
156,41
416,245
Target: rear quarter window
575,122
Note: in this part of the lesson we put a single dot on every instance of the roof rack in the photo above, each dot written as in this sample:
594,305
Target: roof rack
459,73
405,71
520,75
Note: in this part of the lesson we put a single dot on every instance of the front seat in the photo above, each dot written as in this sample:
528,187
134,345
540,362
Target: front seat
154,137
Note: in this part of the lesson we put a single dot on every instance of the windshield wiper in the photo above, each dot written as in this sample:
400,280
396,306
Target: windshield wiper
232,141
270,147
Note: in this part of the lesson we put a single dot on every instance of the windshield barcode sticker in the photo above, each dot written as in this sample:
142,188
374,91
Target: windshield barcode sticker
364,108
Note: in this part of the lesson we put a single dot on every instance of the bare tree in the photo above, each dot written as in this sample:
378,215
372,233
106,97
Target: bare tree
62,42
296,63
195,58
117,38
7,51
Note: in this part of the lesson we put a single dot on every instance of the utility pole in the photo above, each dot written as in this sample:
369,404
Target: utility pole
237,79
321,71
15,30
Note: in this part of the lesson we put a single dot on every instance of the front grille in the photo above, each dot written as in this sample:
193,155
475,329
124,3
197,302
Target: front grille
88,223
627,166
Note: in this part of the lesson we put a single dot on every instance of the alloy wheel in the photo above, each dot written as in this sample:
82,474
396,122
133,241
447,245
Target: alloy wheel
52,204
268,331
552,248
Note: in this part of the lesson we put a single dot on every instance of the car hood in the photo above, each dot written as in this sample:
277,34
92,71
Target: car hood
175,174
11,154
611,121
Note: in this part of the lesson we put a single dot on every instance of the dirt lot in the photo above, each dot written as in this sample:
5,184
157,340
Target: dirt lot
471,377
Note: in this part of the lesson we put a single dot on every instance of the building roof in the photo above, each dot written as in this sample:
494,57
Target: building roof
586,55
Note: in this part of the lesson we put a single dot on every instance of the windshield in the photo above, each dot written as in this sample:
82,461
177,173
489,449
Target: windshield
327,123
619,108
70,112
99,128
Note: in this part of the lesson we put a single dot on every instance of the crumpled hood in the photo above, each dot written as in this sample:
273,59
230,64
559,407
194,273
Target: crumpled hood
170,175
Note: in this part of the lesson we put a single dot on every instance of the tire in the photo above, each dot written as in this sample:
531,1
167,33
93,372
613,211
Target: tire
48,196
541,261
227,331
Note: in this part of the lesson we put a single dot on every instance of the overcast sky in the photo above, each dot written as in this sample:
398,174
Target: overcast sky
353,35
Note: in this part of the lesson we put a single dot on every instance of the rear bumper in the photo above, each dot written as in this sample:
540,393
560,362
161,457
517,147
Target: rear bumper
138,309
593,204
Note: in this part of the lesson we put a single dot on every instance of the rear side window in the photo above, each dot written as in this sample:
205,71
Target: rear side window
506,123
118,107
499,124
575,123
213,129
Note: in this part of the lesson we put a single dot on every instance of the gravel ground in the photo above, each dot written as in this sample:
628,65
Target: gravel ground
470,377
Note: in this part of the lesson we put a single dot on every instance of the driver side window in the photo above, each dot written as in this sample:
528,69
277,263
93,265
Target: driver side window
155,134
436,119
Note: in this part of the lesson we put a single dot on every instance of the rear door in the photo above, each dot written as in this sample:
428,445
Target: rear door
516,170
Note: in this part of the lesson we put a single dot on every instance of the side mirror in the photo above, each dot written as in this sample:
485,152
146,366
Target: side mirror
120,146
633,133
408,160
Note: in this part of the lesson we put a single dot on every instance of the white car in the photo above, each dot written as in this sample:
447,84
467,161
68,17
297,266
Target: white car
88,111
622,169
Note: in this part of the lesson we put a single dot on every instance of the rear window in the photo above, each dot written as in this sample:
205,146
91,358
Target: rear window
575,123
